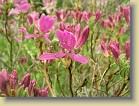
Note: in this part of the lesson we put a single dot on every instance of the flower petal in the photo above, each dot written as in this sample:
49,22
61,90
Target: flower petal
67,39
48,56
46,22
47,39
80,59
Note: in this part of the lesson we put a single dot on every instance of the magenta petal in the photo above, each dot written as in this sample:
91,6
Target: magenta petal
31,35
67,39
48,56
80,59
46,23
47,39
83,37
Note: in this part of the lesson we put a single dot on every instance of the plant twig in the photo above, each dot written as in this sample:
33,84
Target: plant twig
70,79
59,83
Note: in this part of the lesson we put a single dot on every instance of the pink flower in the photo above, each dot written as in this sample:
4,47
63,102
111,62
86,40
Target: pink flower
44,92
62,15
104,49
86,15
114,48
106,23
31,87
13,79
1,1
20,6
25,80
45,24
4,78
127,49
121,31
81,38
127,14
33,17
77,15
98,15
67,42
23,60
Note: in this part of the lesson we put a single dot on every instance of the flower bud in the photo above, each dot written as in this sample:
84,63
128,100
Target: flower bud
44,92
127,49
36,92
104,49
98,15
26,80
83,37
13,79
114,48
62,26
31,86
127,14
3,81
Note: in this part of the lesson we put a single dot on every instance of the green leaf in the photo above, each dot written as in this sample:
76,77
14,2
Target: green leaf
31,30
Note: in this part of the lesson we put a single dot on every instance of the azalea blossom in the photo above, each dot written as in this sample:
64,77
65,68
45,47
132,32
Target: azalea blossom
80,36
44,24
20,6
113,47
67,42
127,49
62,14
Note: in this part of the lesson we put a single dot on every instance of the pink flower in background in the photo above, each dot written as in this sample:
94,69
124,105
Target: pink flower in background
25,80
20,6
13,79
45,24
48,5
31,86
127,49
104,49
127,14
121,31
106,23
33,17
113,46
77,15
86,15
62,14
1,1
125,10
98,15
4,78
67,42
44,92
23,60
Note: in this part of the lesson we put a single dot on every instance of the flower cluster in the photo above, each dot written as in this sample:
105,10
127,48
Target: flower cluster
10,85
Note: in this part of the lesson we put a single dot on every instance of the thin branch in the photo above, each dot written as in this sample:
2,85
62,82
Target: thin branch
59,83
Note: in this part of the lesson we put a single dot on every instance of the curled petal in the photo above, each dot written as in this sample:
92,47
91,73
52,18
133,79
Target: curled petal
48,56
31,35
104,49
77,31
80,59
83,37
